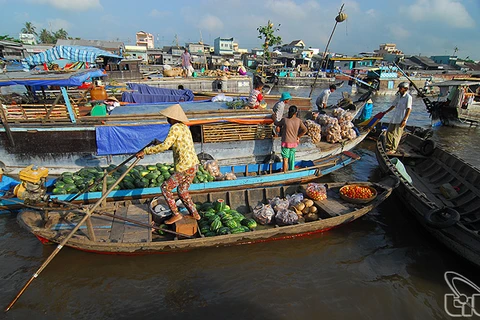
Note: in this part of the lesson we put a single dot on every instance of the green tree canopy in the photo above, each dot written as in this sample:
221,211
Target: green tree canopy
29,28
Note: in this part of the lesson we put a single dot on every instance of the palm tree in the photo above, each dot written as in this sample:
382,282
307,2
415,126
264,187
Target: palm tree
29,28
61,34
46,36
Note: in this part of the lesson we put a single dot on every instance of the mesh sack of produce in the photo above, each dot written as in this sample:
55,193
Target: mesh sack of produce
346,130
314,131
333,133
346,117
263,214
294,199
286,217
323,119
279,204
338,112
316,191
230,176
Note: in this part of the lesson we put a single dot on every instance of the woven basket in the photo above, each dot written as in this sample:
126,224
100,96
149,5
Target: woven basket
359,201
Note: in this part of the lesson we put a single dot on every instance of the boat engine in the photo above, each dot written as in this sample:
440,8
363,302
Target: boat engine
32,186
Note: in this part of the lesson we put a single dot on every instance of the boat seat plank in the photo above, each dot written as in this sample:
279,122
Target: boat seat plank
332,208
462,179
135,233
118,226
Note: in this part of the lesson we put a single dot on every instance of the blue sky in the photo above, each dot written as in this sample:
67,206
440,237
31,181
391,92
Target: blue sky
423,27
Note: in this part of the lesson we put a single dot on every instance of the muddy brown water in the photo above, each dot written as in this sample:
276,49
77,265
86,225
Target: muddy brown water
383,266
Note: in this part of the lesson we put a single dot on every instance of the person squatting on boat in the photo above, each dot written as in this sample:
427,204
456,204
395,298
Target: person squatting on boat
322,99
403,106
256,96
185,159
292,129
111,103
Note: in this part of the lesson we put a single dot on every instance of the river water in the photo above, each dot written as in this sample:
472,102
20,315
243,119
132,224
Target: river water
383,266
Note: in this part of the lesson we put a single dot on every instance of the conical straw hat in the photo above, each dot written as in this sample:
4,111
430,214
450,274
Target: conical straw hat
175,112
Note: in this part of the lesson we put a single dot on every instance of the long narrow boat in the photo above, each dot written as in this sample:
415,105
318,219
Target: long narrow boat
443,193
113,236
248,176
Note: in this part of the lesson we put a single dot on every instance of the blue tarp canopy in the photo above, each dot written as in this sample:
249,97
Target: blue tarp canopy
73,53
147,94
127,139
63,79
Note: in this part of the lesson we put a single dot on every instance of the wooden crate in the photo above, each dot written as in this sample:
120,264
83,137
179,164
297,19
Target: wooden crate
236,132
37,112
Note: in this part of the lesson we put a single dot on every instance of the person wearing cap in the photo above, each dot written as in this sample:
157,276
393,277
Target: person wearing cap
322,99
185,161
366,111
279,107
111,103
403,107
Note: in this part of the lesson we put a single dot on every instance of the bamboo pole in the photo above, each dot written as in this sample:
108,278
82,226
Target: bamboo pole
324,54
88,213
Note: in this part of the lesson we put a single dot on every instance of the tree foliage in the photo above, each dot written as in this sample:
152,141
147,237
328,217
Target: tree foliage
7,37
268,33
46,36
29,28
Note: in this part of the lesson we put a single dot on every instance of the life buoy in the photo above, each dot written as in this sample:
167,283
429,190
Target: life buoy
427,147
442,218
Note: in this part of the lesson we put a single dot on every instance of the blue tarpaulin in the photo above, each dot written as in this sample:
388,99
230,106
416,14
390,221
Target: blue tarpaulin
127,139
73,53
147,94
67,79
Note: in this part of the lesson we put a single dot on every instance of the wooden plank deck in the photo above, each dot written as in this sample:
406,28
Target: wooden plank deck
135,233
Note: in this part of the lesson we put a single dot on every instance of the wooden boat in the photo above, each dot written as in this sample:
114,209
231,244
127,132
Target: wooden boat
248,176
112,236
461,109
443,194
72,140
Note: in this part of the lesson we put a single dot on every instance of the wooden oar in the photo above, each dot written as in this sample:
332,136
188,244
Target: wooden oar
153,142
88,213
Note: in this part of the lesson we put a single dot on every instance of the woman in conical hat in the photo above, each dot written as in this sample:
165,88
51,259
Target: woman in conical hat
185,159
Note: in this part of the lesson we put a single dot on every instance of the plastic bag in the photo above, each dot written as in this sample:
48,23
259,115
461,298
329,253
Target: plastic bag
279,204
338,112
263,214
286,217
213,168
295,199
316,191
222,98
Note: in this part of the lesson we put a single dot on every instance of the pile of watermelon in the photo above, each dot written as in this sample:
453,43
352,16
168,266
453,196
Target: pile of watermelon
219,219
150,176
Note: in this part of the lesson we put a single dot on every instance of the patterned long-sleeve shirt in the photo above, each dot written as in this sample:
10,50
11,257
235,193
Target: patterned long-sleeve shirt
180,139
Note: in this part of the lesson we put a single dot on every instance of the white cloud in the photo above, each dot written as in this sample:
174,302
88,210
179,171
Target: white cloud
79,5
158,13
57,24
450,12
210,23
286,8
371,12
398,32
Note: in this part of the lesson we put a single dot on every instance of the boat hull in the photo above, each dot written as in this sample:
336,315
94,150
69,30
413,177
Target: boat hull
461,237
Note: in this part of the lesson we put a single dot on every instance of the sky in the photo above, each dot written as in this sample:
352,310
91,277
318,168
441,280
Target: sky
425,27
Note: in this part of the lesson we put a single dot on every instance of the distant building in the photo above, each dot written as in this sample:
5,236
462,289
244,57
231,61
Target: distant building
449,60
257,52
145,39
388,48
195,48
223,46
136,52
293,47
27,38
115,47
349,63
34,49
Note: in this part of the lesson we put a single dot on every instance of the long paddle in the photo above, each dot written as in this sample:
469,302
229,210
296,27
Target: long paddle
153,142
88,213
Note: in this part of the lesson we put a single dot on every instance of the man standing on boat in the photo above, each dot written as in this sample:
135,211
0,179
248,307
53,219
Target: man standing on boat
403,106
185,159
322,99
186,62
